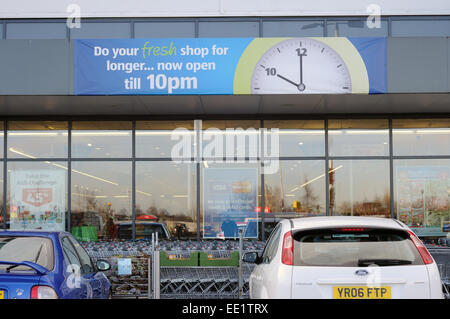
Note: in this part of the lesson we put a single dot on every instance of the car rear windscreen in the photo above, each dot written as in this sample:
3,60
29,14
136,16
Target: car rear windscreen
38,250
354,247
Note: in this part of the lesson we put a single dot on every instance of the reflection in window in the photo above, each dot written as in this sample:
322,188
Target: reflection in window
101,197
359,188
36,30
228,29
230,139
298,137
297,190
358,137
422,192
165,192
356,28
421,28
421,137
33,139
164,30
37,195
293,28
101,139
158,138
101,30
2,128
2,217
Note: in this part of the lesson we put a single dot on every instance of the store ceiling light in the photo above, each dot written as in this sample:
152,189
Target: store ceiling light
433,131
143,193
33,133
150,133
100,133
314,179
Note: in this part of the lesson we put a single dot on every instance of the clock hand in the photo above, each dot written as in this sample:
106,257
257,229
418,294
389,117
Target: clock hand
301,86
287,80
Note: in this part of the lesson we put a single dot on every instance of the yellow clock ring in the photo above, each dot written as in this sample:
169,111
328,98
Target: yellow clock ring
342,46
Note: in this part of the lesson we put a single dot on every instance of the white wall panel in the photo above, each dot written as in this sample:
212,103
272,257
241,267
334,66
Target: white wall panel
214,8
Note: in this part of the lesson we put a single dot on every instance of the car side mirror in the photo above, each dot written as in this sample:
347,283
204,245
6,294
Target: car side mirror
251,258
103,265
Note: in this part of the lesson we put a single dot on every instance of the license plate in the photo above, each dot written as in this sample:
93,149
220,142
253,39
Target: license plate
2,294
361,292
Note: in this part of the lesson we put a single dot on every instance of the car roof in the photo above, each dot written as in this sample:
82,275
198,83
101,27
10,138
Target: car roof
345,221
26,233
140,222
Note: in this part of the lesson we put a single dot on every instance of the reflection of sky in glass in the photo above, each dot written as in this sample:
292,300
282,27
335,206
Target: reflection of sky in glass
356,28
358,142
421,141
166,185
106,143
101,183
295,142
422,186
158,143
294,179
37,144
365,181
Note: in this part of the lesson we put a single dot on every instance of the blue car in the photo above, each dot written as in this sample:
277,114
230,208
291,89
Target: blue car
49,265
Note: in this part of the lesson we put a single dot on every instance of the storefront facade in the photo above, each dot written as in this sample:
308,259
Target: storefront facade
77,151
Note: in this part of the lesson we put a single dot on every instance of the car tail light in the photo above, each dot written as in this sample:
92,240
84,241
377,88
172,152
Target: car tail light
43,292
427,259
287,253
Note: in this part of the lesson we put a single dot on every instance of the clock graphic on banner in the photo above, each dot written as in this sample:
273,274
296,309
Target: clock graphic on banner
301,66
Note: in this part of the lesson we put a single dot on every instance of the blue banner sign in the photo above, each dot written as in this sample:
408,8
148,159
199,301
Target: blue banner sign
230,66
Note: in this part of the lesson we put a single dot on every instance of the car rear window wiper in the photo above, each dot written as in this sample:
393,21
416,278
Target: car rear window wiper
383,262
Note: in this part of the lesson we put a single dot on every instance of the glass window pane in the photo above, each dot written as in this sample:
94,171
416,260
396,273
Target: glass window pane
70,253
2,219
359,187
421,137
101,139
164,30
1,30
37,195
167,191
230,139
102,30
86,264
2,129
298,138
358,137
356,28
296,190
33,139
227,29
293,28
421,28
230,200
154,138
422,195
36,31
101,197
